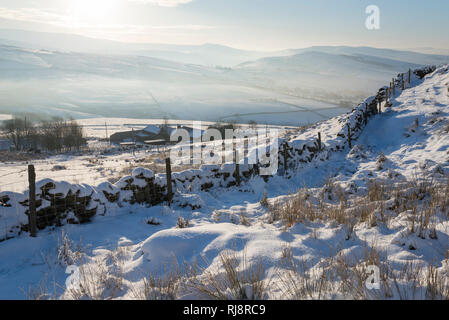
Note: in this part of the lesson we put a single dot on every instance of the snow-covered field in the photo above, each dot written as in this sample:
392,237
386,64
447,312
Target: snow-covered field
89,169
5,117
102,162
382,203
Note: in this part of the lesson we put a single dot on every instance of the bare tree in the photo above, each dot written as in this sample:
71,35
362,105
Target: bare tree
54,135
15,130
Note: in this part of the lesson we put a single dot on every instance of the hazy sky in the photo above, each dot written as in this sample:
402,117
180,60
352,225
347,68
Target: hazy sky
247,24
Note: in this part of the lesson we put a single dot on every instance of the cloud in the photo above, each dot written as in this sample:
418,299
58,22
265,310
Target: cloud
33,15
163,3
107,31
184,27
65,21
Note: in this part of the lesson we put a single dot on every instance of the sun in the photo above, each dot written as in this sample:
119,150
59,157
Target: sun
92,10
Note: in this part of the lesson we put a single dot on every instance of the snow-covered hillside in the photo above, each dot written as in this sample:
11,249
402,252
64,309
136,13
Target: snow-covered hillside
293,87
90,85
310,234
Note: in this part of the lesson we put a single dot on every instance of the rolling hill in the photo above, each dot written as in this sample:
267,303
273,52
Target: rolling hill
71,75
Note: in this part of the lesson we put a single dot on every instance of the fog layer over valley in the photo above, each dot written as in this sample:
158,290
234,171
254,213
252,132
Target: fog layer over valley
40,73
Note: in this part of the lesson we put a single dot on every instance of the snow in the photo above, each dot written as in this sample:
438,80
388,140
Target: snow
152,129
407,140
183,245
4,117
123,182
143,173
108,187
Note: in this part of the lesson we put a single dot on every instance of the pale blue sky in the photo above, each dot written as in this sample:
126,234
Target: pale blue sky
247,24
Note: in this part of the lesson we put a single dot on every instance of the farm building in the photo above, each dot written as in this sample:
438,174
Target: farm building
161,134
150,132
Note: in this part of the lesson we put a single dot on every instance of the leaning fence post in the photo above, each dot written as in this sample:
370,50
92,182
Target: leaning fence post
349,136
169,185
32,219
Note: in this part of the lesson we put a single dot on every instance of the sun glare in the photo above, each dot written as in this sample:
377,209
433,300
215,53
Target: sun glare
92,10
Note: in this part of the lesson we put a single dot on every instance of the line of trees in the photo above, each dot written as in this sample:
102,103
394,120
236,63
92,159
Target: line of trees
55,135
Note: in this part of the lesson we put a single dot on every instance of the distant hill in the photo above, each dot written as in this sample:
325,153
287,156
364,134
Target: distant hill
71,75
403,56
206,54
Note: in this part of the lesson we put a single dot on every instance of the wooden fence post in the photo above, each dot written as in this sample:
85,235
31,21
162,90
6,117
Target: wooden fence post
134,146
169,185
237,173
32,219
349,136
409,76
379,110
285,157
237,168
320,146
